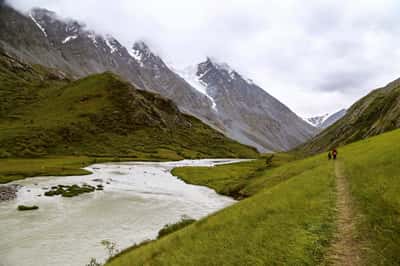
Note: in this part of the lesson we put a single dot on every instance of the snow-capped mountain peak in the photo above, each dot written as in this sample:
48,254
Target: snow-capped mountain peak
248,112
145,56
317,121
112,43
142,52
142,47
325,120
214,63
225,67
224,70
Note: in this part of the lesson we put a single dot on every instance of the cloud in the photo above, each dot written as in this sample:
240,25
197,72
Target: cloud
315,56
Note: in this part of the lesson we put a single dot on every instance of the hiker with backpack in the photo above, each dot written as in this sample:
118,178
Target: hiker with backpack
329,155
334,153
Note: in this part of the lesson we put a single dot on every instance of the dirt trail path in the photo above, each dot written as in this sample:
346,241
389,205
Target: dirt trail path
345,249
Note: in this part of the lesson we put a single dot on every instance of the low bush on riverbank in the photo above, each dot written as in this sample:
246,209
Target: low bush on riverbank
166,230
27,208
170,228
69,191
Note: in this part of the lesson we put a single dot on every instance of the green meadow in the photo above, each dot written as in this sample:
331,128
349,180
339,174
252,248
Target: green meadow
289,214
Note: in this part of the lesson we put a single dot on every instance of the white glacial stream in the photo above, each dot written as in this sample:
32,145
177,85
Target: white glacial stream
137,201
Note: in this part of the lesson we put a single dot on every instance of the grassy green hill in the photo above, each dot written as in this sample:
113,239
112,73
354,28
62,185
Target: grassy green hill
291,214
376,113
43,113
52,125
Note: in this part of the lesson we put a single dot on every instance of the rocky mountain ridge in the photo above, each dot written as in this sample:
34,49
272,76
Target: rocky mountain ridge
249,113
41,37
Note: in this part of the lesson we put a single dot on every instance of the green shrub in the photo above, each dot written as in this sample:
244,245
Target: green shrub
4,154
70,191
27,208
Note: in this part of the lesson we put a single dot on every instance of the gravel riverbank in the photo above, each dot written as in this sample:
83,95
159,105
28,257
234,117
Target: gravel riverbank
8,192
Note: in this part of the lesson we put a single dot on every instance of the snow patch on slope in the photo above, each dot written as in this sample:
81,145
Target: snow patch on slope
92,36
249,81
69,38
37,24
137,55
108,41
189,74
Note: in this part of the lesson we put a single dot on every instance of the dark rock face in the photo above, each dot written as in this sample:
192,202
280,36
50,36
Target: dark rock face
232,104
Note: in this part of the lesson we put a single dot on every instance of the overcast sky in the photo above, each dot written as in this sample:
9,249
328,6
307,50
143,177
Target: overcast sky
314,56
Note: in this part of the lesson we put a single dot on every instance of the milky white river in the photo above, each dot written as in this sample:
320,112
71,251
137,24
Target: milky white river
137,201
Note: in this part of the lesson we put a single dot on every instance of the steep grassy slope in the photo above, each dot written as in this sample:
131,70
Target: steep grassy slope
43,113
22,84
374,114
291,218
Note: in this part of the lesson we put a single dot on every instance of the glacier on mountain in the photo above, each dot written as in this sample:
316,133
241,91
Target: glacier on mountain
190,75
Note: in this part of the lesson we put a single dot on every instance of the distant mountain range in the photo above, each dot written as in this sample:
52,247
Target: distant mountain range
376,113
325,120
210,91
